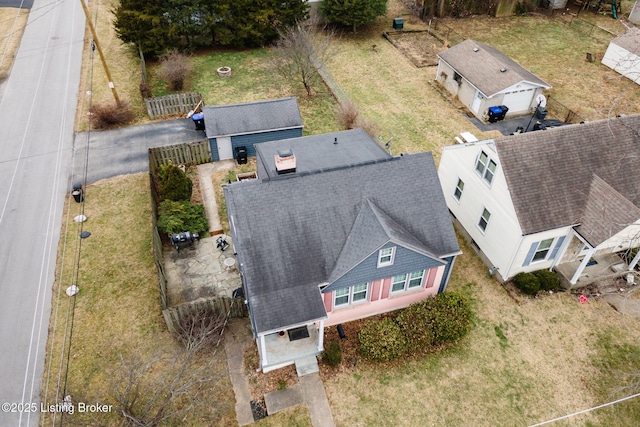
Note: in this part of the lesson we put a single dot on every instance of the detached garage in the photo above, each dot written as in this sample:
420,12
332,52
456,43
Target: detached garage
229,127
480,76
623,55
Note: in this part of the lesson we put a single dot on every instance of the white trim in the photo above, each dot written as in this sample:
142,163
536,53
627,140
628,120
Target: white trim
549,250
350,291
407,280
457,188
391,259
483,230
582,265
321,336
634,261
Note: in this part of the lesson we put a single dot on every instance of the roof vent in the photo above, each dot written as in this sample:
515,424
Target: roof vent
285,161
475,49
502,70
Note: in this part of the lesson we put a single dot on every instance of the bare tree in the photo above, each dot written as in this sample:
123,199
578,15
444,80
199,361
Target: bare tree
300,52
201,329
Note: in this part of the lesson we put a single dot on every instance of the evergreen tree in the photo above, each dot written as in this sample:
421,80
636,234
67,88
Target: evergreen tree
353,13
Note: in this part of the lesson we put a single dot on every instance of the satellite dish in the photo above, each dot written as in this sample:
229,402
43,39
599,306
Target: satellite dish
542,100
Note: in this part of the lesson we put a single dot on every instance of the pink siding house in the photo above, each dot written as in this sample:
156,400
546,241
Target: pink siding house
341,232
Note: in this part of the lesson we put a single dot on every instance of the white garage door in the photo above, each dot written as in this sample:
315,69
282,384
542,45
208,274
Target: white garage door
518,100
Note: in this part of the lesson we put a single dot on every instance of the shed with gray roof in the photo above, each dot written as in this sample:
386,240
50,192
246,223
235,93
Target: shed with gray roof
228,127
481,77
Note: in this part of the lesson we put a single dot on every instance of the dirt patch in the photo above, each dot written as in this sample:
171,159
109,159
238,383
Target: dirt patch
419,47
261,383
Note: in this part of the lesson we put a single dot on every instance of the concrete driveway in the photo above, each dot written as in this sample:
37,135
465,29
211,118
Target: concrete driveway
124,151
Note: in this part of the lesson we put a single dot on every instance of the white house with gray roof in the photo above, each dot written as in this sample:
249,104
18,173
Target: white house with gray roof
480,76
346,233
623,55
564,198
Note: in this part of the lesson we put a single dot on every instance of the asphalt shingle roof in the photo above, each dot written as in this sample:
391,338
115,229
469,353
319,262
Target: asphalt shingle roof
480,64
289,231
251,117
562,176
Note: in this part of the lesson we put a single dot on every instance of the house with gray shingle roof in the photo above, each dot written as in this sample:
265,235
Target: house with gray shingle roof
342,232
229,127
564,198
623,54
480,76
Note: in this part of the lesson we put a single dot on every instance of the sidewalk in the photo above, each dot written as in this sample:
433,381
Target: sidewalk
309,391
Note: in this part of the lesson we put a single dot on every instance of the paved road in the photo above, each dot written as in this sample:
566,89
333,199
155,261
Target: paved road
36,137
124,151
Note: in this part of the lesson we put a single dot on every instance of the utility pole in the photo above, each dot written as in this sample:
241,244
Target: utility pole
97,44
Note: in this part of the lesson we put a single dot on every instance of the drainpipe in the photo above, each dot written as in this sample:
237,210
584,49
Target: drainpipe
583,264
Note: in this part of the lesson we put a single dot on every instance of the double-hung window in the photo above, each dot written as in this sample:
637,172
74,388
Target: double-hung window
542,250
459,188
386,256
405,282
484,220
486,167
351,295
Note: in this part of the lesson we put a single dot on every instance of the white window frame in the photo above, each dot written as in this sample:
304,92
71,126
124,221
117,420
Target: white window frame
350,294
382,254
457,193
484,168
408,277
486,221
538,250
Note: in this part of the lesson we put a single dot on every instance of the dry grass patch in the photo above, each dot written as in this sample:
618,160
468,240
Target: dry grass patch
117,311
12,24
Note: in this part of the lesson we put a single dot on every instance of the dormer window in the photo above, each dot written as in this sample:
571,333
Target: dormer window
486,167
386,256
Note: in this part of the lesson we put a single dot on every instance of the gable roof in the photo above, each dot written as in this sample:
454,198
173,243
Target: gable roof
251,117
630,40
481,65
321,152
557,177
289,232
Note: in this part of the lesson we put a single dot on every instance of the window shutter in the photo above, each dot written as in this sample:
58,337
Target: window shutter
557,247
532,251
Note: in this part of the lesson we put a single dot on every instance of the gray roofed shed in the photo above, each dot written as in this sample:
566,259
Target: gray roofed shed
252,117
289,232
481,65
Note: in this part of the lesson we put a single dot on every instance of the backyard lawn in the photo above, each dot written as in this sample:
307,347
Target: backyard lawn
524,362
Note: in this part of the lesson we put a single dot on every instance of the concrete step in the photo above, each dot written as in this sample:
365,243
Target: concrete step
307,365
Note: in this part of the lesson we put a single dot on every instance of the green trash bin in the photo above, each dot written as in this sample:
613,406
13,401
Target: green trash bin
398,23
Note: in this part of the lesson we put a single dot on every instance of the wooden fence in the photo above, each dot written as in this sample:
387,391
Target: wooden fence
191,153
171,105
230,307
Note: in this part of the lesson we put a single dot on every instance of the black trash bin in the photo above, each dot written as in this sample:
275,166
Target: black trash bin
241,155
78,193
398,23
198,120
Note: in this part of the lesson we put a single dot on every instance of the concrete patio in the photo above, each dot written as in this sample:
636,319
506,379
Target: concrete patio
606,266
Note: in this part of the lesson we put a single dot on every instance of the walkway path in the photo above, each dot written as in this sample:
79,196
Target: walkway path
309,391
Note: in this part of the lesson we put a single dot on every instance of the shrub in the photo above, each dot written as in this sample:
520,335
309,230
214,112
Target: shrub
332,355
527,283
348,115
176,217
108,114
174,69
173,183
549,281
451,314
415,322
145,91
382,340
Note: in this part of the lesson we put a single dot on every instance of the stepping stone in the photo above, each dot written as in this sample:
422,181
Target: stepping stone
280,400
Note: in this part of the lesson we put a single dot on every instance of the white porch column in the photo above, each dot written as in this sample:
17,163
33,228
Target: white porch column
582,265
634,261
321,336
263,351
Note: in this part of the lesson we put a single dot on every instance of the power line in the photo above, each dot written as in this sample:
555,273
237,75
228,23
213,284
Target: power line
584,411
